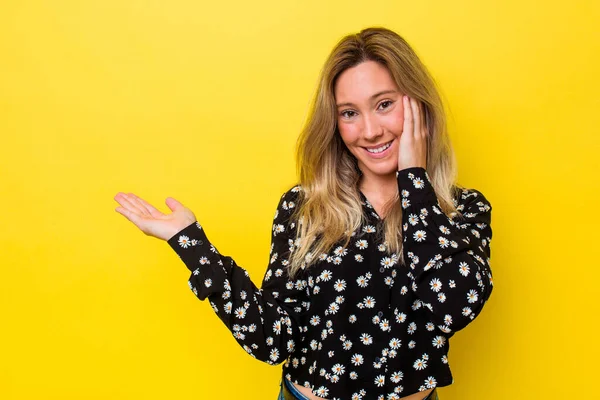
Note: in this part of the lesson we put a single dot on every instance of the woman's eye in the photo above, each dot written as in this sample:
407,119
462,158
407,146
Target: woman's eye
347,114
385,104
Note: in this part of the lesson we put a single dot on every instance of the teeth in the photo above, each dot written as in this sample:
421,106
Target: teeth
379,149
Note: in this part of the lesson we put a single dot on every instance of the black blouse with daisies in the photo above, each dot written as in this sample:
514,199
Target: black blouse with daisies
357,324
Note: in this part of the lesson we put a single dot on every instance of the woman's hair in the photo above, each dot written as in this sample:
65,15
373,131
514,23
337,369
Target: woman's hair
330,207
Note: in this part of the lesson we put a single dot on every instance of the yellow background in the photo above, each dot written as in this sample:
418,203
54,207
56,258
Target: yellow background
203,101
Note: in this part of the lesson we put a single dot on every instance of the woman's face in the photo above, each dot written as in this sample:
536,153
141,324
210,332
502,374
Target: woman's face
370,117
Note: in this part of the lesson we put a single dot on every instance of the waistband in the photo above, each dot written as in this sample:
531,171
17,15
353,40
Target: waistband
289,392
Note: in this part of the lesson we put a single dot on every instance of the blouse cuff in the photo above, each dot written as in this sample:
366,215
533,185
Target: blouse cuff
188,242
415,187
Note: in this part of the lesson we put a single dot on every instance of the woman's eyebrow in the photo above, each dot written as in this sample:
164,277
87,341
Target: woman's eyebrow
372,97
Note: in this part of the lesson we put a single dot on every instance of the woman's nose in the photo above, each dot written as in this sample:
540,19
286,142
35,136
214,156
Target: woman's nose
371,128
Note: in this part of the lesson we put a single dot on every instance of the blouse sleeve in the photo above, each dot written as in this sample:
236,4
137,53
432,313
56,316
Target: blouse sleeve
448,258
266,321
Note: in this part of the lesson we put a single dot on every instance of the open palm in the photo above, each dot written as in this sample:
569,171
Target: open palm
150,220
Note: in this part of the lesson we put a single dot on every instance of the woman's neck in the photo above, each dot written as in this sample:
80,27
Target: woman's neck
378,189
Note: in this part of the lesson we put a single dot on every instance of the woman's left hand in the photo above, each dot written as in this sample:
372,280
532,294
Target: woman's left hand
413,141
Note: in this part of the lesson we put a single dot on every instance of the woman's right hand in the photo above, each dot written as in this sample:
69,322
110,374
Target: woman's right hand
151,221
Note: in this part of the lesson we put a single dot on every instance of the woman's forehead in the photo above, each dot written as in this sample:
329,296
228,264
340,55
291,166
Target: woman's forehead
363,82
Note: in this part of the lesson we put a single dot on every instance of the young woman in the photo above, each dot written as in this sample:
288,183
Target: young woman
378,256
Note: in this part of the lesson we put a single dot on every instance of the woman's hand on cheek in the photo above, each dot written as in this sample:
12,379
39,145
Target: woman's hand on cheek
413,141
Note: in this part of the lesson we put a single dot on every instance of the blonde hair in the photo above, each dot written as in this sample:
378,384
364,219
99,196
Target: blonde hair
330,208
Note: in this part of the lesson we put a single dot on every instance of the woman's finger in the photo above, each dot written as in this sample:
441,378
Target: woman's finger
424,131
141,206
131,216
407,127
151,209
416,117
136,204
126,202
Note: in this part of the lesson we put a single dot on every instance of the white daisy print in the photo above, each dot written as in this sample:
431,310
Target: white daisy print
366,339
357,359
340,251
419,236
472,296
430,382
412,327
401,317
362,244
333,308
369,229
369,302
184,241
420,365
448,319
387,262
464,269
435,284
240,312
413,219
338,369
362,281
384,325
325,275
418,183
397,376
277,327
438,341
339,285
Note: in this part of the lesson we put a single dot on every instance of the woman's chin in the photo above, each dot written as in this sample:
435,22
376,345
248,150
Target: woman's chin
382,170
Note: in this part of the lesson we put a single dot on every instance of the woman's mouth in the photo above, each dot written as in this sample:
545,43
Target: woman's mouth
379,151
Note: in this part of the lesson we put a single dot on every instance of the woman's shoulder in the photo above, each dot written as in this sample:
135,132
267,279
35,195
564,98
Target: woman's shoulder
293,194
288,202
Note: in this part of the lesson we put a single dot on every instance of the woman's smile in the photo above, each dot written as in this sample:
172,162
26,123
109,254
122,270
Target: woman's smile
379,151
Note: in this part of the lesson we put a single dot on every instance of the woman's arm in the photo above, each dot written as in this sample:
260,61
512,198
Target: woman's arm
265,321
448,259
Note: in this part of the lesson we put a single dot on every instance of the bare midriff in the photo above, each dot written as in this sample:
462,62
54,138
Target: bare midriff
415,396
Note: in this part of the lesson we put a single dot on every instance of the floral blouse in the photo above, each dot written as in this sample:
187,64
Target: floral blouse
357,324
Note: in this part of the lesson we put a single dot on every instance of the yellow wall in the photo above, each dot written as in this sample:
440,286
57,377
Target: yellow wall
203,101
